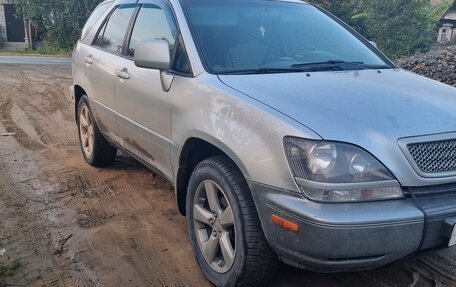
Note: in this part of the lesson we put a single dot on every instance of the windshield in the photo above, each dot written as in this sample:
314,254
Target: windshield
273,36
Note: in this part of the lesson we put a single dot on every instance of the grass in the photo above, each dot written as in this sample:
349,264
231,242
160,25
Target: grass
9,270
44,51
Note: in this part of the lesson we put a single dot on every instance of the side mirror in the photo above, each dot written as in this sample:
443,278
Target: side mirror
373,44
153,54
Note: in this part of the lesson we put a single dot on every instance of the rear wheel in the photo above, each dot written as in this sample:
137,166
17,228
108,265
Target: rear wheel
95,148
224,227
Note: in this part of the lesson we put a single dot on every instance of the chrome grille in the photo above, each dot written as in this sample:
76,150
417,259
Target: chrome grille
434,157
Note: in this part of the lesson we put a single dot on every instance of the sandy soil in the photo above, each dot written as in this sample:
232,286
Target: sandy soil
69,224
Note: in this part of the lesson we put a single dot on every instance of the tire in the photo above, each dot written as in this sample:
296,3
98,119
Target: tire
94,146
253,261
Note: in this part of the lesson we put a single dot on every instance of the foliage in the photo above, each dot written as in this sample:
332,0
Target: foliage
60,21
353,12
9,270
439,9
41,50
321,3
399,27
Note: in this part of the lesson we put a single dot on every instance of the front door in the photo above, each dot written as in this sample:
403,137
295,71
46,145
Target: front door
15,29
144,107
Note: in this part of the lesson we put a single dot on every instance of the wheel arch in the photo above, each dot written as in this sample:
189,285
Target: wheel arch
194,151
78,93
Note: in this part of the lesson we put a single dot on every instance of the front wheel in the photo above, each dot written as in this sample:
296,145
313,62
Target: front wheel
224,227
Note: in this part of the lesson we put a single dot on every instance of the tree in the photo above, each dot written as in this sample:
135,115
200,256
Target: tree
322,3
353,12
60,21
400,27
439,8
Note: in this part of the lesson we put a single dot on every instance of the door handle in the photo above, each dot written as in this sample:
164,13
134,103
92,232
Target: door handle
123,74
88,60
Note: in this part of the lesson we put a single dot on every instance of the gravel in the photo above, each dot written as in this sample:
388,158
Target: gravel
439,64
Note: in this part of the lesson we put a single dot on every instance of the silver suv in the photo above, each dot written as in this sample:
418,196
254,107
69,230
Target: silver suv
287,135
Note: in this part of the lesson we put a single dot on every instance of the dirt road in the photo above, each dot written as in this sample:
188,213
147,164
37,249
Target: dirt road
69,224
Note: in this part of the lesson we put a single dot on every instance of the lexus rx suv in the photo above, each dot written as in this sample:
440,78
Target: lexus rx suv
287,135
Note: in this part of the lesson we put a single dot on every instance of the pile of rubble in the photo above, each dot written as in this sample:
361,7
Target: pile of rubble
437,64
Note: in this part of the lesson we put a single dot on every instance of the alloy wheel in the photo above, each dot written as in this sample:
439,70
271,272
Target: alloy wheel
215,227
86,131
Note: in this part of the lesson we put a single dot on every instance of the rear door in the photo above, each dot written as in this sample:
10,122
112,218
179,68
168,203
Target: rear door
144,107
101,61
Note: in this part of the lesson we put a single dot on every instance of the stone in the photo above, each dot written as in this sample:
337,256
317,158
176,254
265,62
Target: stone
438,64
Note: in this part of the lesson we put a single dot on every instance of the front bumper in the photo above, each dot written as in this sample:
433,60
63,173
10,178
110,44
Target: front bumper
352,236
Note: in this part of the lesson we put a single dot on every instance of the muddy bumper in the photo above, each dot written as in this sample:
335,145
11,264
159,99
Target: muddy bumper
349,237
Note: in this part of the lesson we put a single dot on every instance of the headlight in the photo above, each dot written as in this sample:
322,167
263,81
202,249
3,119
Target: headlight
337,172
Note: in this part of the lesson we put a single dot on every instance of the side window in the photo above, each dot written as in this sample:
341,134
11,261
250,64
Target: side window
96,14
181,63
99,40
153,23
111,35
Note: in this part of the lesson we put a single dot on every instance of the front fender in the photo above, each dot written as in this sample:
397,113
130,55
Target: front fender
249,132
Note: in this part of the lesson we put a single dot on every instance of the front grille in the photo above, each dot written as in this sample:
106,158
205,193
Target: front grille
434,157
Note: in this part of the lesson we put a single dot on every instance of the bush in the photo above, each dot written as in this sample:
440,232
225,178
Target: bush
399,27
60,21
9,270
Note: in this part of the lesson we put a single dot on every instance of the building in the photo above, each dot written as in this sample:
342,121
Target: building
14,31
447,25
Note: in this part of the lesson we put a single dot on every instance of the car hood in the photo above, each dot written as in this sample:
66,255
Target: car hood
361,107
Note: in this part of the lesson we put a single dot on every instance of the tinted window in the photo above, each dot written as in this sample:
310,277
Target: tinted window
111,36
153,23
96,14
234,35
181,62
99,40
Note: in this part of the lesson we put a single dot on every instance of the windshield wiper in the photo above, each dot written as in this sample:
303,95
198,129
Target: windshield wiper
263,70
329,65
377,67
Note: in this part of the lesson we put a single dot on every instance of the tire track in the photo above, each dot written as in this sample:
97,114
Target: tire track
126,231
9,124
29,246
440,269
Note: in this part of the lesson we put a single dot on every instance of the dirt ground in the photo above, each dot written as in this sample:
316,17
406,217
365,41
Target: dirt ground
68,224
